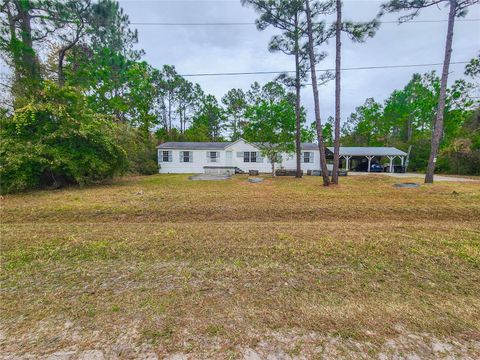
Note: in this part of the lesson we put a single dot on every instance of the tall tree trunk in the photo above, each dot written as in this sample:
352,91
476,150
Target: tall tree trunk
29,57
438,127
169,112
318,121
338,62
63,51
298,135
234,123
16,56
61,75
409,128
26,64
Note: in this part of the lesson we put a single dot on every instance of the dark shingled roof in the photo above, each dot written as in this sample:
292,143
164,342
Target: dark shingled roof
194,145
215,145
344,150
309,146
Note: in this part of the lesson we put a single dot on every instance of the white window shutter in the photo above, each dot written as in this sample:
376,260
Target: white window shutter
190,157
170,157
208,157
181,156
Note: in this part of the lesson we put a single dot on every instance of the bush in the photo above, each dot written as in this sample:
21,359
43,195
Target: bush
55,140
142,151
462,155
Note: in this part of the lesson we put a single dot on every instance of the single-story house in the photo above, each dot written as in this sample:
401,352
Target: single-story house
224,157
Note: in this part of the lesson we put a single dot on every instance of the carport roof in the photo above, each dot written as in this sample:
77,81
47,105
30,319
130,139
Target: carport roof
369,151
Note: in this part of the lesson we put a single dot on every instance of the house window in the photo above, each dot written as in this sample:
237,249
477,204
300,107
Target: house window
213,156
307,157
250,156
166,156
186,156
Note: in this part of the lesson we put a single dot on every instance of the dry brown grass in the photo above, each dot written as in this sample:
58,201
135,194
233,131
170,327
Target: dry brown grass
174,265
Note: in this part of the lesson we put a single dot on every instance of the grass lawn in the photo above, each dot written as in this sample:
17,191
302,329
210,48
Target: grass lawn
163,265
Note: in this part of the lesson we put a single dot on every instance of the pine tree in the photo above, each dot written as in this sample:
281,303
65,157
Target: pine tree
457,8
286,16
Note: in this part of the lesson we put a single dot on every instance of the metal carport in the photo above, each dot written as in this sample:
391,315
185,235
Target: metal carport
370,152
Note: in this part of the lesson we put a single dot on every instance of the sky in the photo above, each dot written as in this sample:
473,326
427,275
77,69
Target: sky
242,48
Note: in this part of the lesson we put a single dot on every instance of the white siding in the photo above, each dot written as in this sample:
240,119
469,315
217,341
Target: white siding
200,160
290,161
240,147
196,166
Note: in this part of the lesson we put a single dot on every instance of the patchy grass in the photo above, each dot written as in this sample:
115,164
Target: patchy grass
217,267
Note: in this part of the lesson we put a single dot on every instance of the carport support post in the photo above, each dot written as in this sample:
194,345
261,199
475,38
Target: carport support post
369,161
391,163
347,162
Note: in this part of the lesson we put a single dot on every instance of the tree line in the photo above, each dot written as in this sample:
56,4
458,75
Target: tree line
81,105
407,119
304,31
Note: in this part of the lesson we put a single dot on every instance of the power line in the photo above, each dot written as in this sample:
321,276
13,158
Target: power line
252,23
322,70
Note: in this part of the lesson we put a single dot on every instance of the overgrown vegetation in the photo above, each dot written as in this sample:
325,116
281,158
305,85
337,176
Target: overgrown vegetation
92,57
56,139
407,117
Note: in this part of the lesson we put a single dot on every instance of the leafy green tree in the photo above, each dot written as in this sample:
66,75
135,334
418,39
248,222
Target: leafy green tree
407,118
110,27
286,16
189,100
270,91
473,67
457,8
102,61
462,155
363,127
18,37
472,71
140,147
210,116
235,103
270,126
178,100
328,131
75,14
56,140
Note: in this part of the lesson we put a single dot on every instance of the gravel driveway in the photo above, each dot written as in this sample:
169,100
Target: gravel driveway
415,175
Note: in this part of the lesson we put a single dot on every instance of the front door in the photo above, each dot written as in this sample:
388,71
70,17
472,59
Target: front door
229,158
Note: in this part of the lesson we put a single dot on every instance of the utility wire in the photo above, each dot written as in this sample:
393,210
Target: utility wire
252,23
292,71
323,70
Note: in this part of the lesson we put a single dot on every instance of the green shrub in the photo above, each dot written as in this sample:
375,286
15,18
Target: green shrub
55,140
142,151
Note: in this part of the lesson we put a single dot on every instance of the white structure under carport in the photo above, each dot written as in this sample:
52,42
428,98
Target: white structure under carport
369,153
